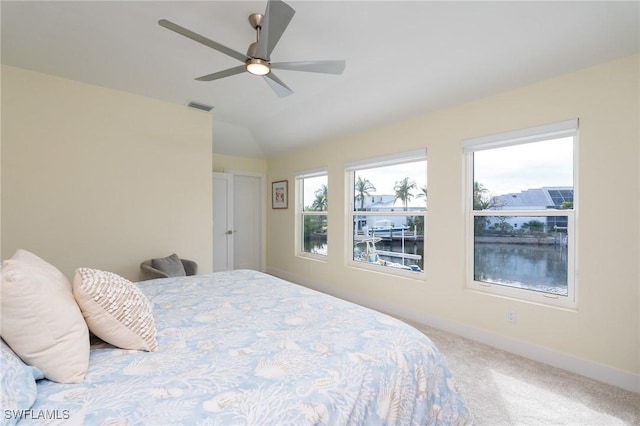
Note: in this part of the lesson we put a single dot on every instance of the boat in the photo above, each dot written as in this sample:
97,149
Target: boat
386,227
372,255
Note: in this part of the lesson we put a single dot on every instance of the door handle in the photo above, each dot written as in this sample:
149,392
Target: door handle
229,232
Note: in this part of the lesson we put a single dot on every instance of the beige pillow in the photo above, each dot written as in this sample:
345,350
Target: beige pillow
40,319
115,309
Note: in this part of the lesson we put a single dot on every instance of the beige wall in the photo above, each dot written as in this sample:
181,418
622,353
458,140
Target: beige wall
604,330
99,178
225,163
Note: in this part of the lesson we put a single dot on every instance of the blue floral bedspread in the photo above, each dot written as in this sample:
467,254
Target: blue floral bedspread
243,347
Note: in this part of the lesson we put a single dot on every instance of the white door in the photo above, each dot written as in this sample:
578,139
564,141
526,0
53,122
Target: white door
222,221
247,217
237,221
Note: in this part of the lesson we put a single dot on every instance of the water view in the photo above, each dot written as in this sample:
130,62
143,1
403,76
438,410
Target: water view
535,267
411,248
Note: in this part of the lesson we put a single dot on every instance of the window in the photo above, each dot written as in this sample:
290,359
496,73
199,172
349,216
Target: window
521,212
387,207
312,207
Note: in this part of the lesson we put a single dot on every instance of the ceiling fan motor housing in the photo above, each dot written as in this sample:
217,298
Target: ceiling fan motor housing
252,50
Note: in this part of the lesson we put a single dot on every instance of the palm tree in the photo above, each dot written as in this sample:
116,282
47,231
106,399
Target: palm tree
423,194
320,203
362,190
480,198
566,205
481,201
403,191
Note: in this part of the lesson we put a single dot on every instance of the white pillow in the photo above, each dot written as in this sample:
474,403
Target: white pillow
115,309
40,319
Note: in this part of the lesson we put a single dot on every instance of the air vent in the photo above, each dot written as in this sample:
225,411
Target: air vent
199,106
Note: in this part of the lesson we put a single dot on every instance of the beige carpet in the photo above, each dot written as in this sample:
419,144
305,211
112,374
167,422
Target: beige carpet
505,389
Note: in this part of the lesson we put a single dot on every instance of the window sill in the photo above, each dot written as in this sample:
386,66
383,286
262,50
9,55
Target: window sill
312,256
387,270
523,295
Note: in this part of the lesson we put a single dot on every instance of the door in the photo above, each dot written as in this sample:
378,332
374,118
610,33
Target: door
237,221
247,218
222,221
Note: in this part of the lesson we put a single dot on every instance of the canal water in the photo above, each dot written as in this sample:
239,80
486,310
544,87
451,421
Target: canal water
410,247
534,267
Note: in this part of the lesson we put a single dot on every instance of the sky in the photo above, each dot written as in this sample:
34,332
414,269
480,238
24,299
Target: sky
311,185
385,178
501,171
521,167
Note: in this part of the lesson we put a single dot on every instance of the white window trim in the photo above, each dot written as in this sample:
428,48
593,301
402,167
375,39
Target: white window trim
558,130
386,160
322,171
350,168
522,136
300,213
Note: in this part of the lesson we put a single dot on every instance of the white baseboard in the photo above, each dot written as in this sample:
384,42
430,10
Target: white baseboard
590,369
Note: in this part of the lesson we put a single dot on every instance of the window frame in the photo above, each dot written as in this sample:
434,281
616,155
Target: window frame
553,131
301,213
350,212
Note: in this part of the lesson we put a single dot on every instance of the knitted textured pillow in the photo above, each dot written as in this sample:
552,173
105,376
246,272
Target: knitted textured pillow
115,309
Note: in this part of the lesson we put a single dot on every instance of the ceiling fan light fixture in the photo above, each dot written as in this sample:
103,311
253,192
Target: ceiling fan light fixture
258,66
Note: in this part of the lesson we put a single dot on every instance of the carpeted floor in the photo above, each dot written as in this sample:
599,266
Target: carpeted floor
505,389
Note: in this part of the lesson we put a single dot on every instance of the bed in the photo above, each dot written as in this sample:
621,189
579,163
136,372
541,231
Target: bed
244,347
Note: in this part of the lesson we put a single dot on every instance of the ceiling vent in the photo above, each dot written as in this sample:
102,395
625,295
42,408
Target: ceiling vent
199,106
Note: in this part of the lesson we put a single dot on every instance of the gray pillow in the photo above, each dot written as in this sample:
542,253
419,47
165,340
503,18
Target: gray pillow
170,265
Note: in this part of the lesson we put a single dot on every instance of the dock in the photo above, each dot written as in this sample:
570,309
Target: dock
390,236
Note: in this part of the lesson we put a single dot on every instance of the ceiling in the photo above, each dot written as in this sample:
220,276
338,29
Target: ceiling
403,58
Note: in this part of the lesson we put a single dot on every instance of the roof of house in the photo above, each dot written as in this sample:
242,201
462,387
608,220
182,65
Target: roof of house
538,198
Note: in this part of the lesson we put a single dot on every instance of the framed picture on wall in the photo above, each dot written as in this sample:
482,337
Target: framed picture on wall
279,195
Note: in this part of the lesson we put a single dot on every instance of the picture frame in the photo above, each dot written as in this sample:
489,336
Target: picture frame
279,194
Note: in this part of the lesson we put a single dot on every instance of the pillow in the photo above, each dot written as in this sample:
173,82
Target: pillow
18,384
40,320
170,265
115,309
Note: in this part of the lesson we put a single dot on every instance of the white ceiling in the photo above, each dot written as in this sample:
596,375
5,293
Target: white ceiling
402,58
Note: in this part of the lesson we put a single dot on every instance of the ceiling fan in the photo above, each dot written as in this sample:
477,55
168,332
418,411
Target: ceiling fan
269,28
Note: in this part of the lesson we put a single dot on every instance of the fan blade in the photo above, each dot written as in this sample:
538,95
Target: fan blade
277,85
276,19
203,40
223,74
324,67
